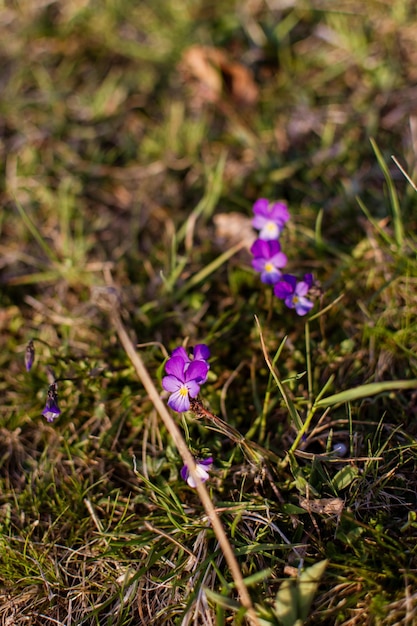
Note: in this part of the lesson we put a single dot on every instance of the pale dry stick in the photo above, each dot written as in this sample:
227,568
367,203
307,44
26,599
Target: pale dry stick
402,170
188,459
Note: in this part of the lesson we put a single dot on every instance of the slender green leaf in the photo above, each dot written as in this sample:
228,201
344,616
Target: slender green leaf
307,586
205,272
344,477
286,603
34,231
365,391
224,601
395,204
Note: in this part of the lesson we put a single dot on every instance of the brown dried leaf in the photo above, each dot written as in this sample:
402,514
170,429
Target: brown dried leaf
198,69
233,228
323,506
210,70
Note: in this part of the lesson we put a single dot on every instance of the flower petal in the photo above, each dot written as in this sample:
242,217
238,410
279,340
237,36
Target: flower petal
171,383
270,231
197,371
309,279
270,276
282,289
303,306
180,351
175,367
208,462
279,259
302,289
201,352
260,207
279,213
201,473
179,402
260,248
193,387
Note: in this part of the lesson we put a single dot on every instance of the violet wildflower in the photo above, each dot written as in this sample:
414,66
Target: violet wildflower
29,355
183,381
294,293
202,468
52,410
270,218
268,259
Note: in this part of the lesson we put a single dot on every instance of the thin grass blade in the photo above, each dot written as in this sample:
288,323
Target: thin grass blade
365,391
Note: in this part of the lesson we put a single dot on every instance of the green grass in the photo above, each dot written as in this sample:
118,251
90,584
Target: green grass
127,187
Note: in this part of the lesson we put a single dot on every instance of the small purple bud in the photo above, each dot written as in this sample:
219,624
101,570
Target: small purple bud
29,355
52,410
340,449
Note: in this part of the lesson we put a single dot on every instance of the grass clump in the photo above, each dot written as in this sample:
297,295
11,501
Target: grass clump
137,141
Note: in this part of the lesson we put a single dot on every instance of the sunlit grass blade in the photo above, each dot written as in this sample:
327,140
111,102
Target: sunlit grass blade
224,601
260,421
318,235
327,308
365,391
395,204
295,417
209,269
384,235
209,200
311,412
34,278
34,231
177,263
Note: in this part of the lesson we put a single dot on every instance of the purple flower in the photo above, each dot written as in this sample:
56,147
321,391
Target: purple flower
29,355
268,258
294,292
52,410
183,381
270,218
202,468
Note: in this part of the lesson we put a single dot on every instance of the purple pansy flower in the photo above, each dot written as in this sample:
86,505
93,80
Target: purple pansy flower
183,381
294,293
52,410
268,258
202,468
270,218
